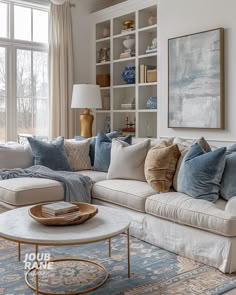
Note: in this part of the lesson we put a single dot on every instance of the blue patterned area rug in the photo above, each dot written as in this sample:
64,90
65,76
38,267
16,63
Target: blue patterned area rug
154,271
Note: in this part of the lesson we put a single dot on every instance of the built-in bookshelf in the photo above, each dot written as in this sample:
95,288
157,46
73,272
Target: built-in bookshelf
125,37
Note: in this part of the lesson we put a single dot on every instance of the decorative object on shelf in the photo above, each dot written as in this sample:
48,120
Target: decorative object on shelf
153,47
85,97
152,102
128,43
108,124
129,26
103,80
152,20
106,103
106,32
196,80
130,127
103,55
86,212
128,74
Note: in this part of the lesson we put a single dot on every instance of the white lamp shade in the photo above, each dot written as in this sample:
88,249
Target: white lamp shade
86,96
58,2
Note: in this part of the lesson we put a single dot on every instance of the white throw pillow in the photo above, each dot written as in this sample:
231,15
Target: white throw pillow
15,155
127,161
78,154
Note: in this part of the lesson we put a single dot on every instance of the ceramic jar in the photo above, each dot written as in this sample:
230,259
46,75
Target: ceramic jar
152,102
128,74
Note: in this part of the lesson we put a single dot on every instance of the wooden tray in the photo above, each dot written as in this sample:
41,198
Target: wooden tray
87,211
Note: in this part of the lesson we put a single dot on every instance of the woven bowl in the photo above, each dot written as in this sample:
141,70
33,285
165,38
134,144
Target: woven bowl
87,211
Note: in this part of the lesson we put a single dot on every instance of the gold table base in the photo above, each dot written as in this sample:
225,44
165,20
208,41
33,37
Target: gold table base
37,290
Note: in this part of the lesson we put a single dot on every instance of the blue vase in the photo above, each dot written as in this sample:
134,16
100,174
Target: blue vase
152,102
128,74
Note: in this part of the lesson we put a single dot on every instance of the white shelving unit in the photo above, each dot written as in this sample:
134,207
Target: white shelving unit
109,35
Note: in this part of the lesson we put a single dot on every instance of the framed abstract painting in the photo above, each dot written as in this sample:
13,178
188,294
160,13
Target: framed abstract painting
196,80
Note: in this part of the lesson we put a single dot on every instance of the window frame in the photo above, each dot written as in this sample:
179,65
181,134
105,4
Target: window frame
11,46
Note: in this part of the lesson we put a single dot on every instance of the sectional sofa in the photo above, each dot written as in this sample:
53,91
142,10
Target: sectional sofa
197,229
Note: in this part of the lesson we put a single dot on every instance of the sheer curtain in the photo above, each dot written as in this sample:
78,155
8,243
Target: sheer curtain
61,71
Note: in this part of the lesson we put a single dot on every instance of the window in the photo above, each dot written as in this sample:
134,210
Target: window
24,96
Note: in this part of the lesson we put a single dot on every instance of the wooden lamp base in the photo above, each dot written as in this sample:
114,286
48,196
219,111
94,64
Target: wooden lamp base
86,123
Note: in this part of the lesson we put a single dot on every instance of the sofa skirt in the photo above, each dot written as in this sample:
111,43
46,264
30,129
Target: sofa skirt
200,245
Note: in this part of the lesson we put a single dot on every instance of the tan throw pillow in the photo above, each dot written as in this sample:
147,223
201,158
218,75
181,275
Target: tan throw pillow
78,154
160,165
184,147
127,161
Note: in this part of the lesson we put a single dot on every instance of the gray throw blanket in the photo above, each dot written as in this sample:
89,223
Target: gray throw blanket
77,187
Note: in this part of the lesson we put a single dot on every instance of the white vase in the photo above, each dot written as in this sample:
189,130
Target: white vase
129,42
152,20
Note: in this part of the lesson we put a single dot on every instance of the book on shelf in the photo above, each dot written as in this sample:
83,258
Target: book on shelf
58,208
127,30
127,53
143,72
128,106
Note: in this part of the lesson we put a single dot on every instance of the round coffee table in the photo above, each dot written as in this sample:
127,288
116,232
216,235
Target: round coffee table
18,226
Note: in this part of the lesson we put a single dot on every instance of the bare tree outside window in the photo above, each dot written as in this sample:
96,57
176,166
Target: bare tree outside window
32,92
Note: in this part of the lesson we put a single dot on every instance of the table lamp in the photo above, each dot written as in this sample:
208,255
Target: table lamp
86,96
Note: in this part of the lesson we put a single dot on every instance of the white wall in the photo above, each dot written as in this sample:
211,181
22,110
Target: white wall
181,17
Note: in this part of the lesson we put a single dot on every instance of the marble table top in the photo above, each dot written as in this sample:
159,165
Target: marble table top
17,225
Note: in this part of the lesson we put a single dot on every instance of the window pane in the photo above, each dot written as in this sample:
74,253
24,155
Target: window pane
40,26
2,94
24,93
3,20
40,92
22,23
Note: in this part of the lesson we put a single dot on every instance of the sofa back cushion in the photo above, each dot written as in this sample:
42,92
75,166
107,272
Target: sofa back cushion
50,154
228,183
112,134
184,147
15,156
200,173
127,161
78,154
160,165
103,151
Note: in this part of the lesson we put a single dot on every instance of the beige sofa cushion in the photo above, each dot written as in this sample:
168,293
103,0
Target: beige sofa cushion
78,154
127,161
127,193
160,165
183,209
94,175
27,191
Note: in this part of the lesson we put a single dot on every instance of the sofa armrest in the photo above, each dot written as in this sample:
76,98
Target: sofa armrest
231,206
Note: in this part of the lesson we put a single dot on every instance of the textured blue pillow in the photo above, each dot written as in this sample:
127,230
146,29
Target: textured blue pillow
228,183
103,151
50,154
200,173
112,134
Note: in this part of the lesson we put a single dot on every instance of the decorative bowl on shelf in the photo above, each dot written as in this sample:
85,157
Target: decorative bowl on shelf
128,74
86,211
152,102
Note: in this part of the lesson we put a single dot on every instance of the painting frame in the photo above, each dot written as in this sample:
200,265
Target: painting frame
180,98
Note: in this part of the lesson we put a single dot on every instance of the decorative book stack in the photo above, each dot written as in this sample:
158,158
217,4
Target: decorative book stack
127,53
61,209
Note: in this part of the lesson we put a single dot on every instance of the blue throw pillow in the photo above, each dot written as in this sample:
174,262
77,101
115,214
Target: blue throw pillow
112,134
103,151
50,154
228,183
200,173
